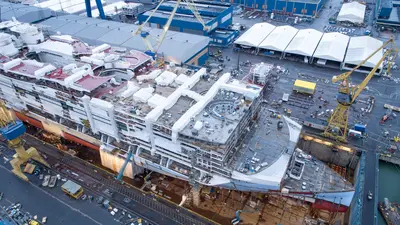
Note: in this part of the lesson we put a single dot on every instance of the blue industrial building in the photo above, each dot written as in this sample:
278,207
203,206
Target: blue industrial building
216,16
387,14
295,7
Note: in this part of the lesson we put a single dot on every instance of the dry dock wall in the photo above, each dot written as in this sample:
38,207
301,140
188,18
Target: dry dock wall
329,153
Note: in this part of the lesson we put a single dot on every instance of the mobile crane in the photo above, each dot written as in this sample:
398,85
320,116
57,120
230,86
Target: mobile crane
153,51
338,122
12,130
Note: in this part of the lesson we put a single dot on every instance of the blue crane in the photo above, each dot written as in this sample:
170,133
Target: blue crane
99,7
121,171
12,130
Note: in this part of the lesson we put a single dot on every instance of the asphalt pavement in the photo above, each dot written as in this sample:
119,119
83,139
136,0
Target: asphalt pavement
52,203
370,182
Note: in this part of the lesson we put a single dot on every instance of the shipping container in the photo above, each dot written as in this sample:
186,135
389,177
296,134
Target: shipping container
304,87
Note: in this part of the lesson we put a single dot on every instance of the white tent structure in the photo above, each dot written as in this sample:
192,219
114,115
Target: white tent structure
332,47
277,41
304,43
255,35
352,12
359,49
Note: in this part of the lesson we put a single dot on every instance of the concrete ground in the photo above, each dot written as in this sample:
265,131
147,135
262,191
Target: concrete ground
52,203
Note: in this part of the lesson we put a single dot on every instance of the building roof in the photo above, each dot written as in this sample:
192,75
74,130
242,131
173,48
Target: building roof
353,12
305,42
279,38
255,35
97,32
23,13
332,47
360,48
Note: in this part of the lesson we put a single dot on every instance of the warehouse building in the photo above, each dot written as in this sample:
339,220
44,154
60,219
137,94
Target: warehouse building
387,14
254,36
352,12
358,50
217,17
193,49
331,50
277,41
309,8
303,45
23,13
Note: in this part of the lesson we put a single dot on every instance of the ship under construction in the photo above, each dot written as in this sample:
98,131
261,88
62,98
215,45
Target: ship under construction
179,121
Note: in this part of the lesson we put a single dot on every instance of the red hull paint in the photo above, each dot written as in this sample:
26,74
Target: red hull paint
321,204
73,138
329,206
29,120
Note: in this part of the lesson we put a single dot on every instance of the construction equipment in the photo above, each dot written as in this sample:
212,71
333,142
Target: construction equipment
338,122
128,158
99,7
153,51
72,189
12,130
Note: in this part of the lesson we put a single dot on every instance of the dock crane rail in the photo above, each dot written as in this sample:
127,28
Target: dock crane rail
338,122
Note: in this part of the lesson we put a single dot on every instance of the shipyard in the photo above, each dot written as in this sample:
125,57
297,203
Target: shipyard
199,112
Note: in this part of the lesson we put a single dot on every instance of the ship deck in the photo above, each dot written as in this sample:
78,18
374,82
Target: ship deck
263,144
316,176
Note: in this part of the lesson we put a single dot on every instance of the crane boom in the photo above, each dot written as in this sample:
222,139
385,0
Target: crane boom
338,122
153,50
166,26
348,73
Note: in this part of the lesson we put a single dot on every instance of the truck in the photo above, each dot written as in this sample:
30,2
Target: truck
304,87
72,189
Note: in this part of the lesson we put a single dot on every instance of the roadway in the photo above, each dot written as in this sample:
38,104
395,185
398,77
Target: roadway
59,208
149,207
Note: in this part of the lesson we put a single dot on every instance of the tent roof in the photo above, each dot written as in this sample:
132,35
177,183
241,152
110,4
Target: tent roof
332,47
305,42
362,47
353,12
255,35
279,38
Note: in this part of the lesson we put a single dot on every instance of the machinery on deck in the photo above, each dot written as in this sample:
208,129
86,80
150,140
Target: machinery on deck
153,50
338,122
12,130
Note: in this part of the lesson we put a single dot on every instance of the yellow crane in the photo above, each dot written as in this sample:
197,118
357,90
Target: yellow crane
153,50
12,130
338,122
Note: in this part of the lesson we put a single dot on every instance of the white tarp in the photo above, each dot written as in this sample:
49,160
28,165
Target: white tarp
143,94
353,12
332,47
255,35
360,48
279,38
156,100
305,42
166,78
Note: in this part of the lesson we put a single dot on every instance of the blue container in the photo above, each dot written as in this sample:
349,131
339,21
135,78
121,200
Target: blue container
385,12
359,127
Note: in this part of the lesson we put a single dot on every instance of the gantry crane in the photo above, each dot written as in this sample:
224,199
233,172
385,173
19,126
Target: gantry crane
12,130
338,122
99,7
152,51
